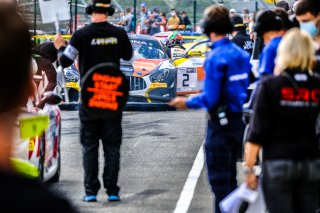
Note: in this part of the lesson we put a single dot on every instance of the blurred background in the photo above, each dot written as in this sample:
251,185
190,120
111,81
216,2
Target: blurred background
194,9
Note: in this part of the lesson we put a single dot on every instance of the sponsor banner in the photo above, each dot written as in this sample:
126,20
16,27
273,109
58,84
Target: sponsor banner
53,10
158,85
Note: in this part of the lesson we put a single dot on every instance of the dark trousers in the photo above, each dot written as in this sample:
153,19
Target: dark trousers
291,186
222,147
110,133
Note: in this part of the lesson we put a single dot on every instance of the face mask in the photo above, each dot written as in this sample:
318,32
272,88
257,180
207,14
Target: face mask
309,27
173,14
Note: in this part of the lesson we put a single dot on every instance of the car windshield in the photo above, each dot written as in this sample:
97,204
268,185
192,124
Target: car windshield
147,49
142,51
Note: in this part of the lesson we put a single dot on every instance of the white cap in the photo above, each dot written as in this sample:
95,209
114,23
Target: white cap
232,11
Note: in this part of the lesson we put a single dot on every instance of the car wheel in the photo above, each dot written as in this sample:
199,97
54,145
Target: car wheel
56,176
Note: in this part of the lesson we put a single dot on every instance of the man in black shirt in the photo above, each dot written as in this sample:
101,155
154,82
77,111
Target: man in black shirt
239,34
18,194
98,43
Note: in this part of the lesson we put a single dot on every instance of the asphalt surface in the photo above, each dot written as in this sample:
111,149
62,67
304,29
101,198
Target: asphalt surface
157,154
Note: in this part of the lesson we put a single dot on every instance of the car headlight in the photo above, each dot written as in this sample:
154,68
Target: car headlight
159,76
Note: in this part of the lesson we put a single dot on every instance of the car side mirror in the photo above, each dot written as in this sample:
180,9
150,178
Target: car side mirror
195,53
51,98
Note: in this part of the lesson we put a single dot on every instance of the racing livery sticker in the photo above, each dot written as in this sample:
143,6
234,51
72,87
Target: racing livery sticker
187,80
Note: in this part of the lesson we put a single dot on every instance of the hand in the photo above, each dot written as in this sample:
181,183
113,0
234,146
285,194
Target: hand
179,103
58,41
252,181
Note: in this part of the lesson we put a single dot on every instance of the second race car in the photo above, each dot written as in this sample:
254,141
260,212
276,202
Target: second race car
151,73
190,67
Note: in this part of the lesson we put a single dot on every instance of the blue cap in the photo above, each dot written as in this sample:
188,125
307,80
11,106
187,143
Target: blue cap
143,4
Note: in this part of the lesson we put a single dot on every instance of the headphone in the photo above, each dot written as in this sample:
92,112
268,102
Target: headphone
267,21
100,7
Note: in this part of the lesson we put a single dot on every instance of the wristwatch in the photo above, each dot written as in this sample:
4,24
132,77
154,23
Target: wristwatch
248,170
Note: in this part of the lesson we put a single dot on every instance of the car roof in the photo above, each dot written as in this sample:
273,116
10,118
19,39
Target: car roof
142,37
183,33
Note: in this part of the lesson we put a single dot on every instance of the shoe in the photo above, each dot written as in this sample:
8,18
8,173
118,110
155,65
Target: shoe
113,198
89,198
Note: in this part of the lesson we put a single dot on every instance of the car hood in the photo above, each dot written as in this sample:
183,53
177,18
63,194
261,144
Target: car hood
140,67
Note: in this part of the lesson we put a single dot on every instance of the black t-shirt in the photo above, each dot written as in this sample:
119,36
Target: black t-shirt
243,40
97,43
23,195
283,122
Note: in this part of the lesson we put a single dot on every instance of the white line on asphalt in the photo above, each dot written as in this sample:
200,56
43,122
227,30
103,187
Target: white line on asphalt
187,193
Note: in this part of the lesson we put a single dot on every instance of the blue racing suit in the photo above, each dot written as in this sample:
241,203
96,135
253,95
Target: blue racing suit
268,56
227,70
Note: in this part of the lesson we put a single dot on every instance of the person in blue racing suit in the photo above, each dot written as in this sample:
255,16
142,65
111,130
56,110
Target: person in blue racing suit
227,69
268,26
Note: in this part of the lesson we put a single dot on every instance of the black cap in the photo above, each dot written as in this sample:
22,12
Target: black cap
267,21
283,4
101,5
237,22
101,1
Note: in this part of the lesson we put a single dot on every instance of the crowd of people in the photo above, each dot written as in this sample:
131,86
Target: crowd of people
153,21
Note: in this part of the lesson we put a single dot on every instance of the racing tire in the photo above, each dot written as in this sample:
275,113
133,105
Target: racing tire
55,178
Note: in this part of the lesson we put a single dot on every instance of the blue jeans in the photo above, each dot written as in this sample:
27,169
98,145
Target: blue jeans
291,186
223,146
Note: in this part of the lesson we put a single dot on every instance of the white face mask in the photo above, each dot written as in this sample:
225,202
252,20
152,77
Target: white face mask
173,14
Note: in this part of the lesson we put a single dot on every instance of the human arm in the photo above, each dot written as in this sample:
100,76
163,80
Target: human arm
67,54
215,70
250,157
259,129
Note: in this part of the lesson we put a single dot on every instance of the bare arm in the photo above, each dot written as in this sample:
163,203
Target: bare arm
250,156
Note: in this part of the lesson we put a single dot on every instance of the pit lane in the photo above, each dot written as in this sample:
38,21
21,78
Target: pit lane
158,152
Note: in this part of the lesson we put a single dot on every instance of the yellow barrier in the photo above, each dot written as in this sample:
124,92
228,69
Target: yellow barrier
50,36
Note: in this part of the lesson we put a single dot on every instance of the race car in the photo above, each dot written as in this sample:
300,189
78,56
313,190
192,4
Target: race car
151,74
190,73
38,136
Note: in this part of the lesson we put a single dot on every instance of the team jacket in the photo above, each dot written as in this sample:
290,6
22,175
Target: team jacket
284,117
243,41
96,43
268,56
227,70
